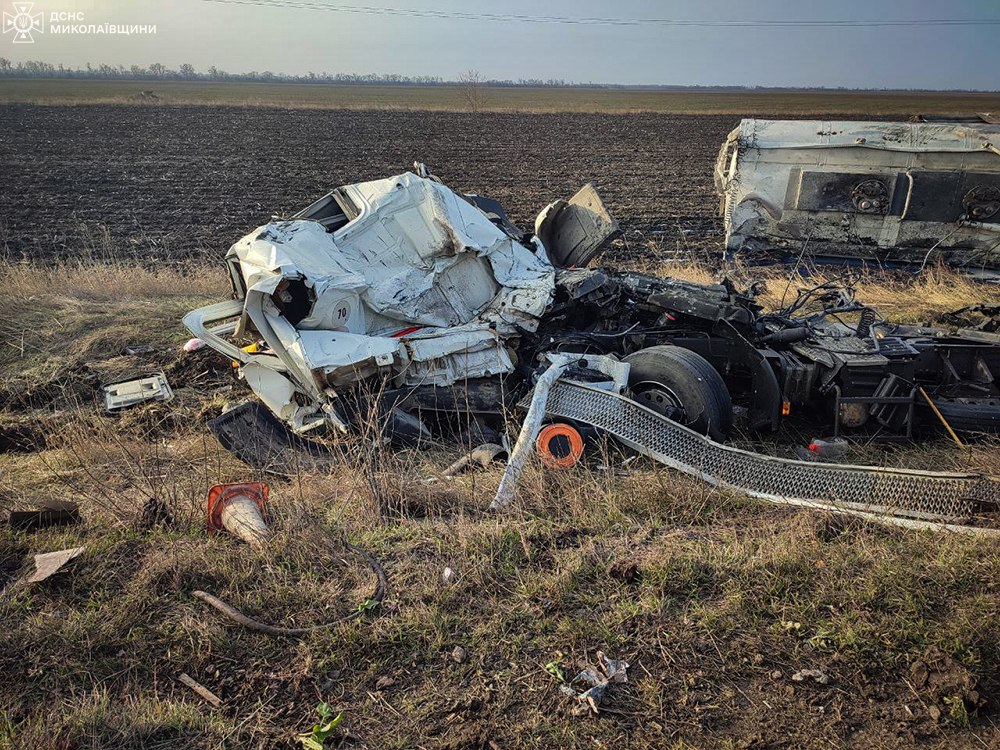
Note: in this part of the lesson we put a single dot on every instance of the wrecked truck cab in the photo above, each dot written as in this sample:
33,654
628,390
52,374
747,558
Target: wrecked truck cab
885,192
400,278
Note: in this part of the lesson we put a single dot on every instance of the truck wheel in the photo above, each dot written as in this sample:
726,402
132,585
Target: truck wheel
682,386
964,416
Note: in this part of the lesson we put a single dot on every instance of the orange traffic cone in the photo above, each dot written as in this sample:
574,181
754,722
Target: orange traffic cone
239,509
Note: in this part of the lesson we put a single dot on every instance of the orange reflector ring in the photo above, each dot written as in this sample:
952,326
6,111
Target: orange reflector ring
559,446
220,494
786,408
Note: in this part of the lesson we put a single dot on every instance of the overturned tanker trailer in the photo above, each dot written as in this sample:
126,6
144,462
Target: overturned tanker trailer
880,192
425,312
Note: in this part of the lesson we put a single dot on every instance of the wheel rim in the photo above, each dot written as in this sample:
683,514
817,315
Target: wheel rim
660,399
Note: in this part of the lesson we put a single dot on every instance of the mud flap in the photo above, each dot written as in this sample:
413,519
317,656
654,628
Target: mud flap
256,437
575,231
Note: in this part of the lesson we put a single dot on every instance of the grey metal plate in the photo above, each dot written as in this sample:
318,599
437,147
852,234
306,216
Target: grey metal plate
126,393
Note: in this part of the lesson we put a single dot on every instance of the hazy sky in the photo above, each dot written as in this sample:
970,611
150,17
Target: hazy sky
296,40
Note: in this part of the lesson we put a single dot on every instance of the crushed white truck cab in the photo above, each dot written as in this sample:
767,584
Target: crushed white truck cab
400,277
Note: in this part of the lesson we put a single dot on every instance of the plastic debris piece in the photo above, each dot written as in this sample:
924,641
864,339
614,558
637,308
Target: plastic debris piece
559,445
811,674
828,449
589,687
50,563
193,345
448,575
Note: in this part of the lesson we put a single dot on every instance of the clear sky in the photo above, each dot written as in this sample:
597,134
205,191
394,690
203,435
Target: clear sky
289,39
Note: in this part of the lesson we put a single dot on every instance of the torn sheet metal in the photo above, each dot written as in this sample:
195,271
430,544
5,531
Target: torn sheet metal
886,191
617,379
50,563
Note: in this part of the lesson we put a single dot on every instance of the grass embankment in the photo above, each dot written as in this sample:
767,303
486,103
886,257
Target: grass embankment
715,600
452,98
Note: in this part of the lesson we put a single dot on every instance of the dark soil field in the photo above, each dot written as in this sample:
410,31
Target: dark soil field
188,181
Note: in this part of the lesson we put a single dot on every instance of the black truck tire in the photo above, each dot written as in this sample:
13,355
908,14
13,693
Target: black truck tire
965,417
684,386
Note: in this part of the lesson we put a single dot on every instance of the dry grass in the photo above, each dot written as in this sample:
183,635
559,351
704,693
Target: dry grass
715,600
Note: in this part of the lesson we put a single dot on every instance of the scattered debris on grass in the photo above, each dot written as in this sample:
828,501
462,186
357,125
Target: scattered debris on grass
590,686
50,563
124,394
823,450
50,513
200,689
816,675
479,457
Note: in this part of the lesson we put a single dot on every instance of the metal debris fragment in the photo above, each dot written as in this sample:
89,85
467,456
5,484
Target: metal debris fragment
126,393
885,192
904,497
816,675
479,457
50,513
